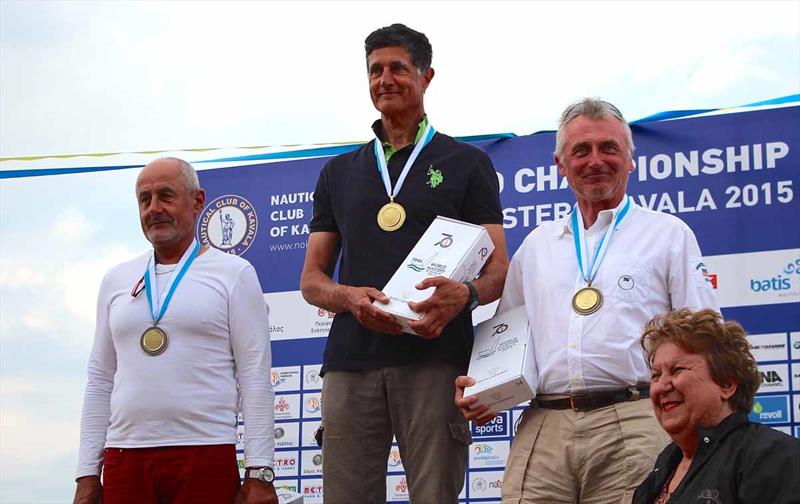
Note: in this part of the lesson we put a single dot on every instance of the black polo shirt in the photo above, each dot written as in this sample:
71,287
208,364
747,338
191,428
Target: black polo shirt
347,198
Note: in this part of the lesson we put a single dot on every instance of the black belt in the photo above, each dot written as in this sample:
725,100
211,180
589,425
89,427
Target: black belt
588,401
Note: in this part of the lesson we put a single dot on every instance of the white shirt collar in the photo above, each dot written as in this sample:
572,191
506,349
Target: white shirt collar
564,225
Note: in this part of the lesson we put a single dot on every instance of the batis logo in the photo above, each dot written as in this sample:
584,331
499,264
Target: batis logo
783,281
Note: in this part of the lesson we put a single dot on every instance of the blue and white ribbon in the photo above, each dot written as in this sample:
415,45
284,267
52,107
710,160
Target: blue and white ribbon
589,269
159,304
427,136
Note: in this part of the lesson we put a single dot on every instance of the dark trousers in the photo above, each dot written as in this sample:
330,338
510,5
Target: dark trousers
361,410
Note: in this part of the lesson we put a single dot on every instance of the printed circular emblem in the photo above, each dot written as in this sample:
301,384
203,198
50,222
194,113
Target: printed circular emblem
625,282
279,432
479,485
317,459
229,223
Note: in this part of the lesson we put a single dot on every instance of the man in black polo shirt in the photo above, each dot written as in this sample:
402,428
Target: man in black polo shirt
378,380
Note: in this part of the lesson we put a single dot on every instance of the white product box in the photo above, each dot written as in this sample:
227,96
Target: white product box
503,363
449,248
287,497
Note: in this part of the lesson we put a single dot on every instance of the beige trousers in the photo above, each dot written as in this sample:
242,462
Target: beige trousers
592,457
360,412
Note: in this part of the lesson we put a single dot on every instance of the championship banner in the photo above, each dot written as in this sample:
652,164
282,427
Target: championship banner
733,178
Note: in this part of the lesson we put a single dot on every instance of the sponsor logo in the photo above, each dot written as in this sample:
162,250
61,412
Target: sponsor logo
770,409
394,457
279,432
283,463
282,405
482,448
445,242
497,426
625,282
313,404
276,378
229,223
711,278
286,487
479,485
708,496
770,377
312,377
420,265
498,344
317,459
435,177
312,490
790,273
796,345
401,487
325,313
483,252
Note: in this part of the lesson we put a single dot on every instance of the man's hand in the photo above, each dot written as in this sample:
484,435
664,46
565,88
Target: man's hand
256,492
359,303
89,491
447,301
465,403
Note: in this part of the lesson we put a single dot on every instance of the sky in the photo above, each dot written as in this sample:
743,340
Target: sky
91,77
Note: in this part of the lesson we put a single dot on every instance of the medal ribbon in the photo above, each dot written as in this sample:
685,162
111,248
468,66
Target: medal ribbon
427,135
589,270
158,306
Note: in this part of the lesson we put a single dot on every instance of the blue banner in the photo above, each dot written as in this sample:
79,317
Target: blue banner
733,178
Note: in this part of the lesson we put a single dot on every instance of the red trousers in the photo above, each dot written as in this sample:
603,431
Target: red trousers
170,475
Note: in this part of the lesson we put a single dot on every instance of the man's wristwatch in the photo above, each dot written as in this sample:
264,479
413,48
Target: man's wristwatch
473,301
262,474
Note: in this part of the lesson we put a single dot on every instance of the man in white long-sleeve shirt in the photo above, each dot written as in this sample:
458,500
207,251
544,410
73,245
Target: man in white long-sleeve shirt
589,283
182,335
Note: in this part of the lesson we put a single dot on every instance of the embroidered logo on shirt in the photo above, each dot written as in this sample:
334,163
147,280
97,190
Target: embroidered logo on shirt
436,177
708,496
625,282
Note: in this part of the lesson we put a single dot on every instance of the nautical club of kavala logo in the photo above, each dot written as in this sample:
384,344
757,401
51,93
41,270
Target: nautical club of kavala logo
229,223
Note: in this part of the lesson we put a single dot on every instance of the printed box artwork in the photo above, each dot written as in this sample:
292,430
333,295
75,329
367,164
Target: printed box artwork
502,362
449,248
287,497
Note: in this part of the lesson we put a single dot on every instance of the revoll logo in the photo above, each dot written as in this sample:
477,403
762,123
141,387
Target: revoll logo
446,241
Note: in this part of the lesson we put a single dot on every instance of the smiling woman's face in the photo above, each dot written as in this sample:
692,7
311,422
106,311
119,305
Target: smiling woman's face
684,394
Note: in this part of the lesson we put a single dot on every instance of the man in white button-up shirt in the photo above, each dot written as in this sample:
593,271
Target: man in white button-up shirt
589,282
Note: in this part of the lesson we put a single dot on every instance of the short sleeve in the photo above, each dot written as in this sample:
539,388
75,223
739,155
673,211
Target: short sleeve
482,200
322,218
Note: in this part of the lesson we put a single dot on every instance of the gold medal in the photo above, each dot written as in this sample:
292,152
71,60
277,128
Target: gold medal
391,216
154,341
587,301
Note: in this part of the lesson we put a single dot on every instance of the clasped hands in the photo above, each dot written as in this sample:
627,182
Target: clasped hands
447,301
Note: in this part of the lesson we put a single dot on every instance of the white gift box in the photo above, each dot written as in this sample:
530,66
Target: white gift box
503,363
287,497
449,248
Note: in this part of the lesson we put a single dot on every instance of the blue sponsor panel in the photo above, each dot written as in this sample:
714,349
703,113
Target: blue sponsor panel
770,409
496,427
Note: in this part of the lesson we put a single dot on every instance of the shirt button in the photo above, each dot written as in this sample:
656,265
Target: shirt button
706,440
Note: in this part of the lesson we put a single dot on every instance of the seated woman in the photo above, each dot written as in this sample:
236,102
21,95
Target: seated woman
703,379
